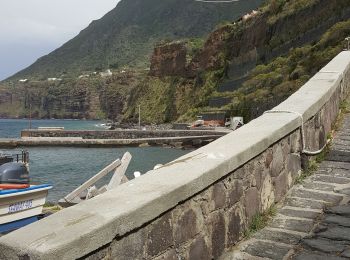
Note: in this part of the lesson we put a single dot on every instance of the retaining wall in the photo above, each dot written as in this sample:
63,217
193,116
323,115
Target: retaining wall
199,205
118,134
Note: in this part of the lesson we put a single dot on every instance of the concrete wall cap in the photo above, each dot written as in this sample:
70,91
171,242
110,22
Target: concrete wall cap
68,234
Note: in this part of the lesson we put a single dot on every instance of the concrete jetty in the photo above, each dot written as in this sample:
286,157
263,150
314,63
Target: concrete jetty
80,142
112,138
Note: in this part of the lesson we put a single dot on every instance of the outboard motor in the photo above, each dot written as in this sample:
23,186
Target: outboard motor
5,159
14,173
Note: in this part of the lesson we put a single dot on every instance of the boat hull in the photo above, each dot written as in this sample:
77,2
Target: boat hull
11,226
22,204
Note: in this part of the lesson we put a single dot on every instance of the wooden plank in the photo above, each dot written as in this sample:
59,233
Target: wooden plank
65,204
119,172
92,192
103,189
92,180
124,179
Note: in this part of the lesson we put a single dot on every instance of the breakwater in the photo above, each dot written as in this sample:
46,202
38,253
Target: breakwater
199,205
115,138
118,134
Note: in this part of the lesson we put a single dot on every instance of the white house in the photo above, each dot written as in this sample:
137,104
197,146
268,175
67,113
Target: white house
107,73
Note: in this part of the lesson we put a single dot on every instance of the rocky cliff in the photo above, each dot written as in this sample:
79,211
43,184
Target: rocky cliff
126,35
90,97
169,59
243,67
248,66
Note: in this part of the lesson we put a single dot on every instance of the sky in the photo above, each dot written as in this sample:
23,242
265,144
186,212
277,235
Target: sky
30,29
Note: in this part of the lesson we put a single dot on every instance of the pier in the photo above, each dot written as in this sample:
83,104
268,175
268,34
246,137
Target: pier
111,138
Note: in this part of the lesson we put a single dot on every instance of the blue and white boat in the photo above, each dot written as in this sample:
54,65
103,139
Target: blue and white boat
20,202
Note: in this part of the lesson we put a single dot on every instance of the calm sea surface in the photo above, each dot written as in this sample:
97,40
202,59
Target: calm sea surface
67,168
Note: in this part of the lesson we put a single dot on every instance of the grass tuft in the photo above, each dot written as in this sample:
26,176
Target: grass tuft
260,221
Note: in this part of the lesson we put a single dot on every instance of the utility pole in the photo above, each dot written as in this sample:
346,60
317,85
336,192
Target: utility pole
30,116
140,117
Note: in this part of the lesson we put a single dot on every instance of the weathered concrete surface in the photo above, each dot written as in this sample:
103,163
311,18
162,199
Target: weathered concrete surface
210,195
120,134
80,142
301,231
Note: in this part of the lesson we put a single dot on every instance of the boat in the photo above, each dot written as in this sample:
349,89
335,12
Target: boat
21,203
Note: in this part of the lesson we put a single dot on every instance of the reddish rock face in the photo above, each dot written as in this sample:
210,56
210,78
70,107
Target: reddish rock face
169,60
209,57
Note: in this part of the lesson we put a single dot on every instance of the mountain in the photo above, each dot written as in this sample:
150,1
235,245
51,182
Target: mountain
246,67
126,35
243,67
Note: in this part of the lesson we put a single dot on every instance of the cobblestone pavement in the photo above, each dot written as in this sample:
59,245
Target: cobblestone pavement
314,221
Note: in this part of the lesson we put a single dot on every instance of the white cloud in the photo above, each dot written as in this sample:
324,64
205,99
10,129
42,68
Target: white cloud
42,24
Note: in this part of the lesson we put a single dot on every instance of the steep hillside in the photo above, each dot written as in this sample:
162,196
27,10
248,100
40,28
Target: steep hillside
126,35
245,67
92,97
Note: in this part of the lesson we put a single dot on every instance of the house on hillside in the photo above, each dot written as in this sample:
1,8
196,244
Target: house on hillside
54,79
107,73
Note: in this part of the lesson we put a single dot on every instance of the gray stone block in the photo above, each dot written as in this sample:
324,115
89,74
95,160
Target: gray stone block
281,184
343,210
277,161
305,203
346,253
339,220
335,165
293,224
303,213
336,233
160,237
251,202
339,156
219,195
186,226
218,235
199,250
277,236
235,193
301,193
267,249
235,227
323,245
330,179
129,247
168,255
315,256
318,186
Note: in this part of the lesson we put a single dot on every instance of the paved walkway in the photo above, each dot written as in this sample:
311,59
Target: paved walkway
314,221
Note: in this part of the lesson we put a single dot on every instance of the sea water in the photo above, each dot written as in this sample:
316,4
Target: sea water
68,167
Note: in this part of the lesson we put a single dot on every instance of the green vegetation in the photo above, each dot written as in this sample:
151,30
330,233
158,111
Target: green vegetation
194,45
126,35
93,97
312,167
288,53
260,221
268,84
275,81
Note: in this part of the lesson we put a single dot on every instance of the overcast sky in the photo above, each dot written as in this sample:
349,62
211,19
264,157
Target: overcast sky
30,29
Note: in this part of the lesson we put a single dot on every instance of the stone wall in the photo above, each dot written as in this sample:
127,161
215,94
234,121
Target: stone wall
119,134
199,205
203,226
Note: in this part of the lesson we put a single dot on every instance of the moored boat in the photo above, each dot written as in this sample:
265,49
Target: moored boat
20,202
